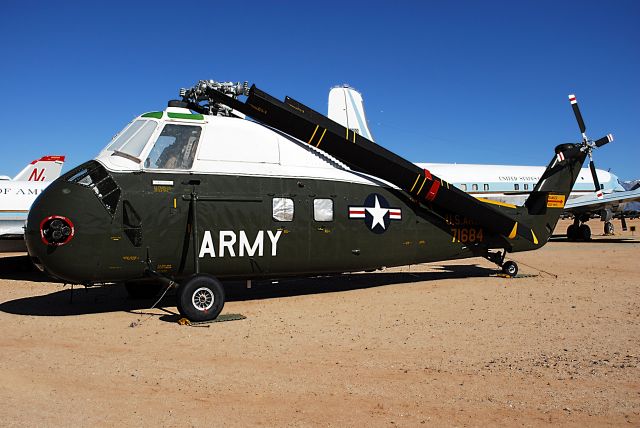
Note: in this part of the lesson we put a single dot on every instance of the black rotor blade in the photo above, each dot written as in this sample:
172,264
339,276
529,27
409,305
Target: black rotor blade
360,154
576,111
592,166
604,140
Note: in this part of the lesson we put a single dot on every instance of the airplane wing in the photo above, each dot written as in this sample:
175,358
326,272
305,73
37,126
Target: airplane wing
591,203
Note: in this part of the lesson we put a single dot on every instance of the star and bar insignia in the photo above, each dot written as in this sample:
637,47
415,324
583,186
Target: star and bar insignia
376,212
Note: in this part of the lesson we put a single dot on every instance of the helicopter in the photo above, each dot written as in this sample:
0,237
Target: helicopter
231,183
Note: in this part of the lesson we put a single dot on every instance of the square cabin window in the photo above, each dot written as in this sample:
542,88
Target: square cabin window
516,187
526,187
464,187
283,209
486,187
474,187
323,209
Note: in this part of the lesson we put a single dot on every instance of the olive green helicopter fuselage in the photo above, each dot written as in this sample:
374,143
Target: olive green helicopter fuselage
177,194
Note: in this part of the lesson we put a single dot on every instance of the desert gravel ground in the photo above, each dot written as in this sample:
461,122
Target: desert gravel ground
439,344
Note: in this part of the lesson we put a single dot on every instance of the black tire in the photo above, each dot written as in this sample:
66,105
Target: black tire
510,268
572,232
200,298
138,290
584,233
608,228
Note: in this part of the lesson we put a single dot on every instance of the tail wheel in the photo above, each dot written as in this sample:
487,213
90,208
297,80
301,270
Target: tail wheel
510,268
201,298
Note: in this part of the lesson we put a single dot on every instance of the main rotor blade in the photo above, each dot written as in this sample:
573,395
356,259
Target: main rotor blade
576,111
302,122
596,182
604,140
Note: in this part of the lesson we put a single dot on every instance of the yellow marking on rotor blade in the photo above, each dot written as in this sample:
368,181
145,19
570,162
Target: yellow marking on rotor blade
414,184
174,203
354,136
321,137
313,135
535,238
423,181
513,231
502,204
347,137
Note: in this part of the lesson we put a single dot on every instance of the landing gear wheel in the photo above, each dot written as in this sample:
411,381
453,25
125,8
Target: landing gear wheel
510,268
584,233
572,232
138,290
200,298
608,228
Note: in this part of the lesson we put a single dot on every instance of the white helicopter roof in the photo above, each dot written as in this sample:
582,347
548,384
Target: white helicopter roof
226,145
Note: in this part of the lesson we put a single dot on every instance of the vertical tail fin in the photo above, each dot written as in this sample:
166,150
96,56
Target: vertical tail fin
47,168
547,200
347,108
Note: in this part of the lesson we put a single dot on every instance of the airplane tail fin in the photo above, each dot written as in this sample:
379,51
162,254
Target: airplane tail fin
346,107
47,168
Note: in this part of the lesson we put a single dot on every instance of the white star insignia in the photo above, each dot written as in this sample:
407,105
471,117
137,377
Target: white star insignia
378,214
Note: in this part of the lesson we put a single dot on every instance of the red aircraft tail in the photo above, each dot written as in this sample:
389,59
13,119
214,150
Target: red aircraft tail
47,168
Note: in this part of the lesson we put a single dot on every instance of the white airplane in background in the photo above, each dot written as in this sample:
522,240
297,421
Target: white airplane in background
17,195
506,184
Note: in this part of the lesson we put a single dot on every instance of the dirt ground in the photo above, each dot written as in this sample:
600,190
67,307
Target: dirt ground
440,344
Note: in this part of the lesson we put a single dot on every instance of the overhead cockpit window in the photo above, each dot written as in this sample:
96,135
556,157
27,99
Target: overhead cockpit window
175,148
132,140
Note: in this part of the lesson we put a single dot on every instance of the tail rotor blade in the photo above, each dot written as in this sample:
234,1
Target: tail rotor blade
576,111
604,140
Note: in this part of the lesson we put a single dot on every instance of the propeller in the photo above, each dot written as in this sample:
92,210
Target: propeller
587,145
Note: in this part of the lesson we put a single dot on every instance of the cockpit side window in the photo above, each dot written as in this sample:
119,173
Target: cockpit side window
175,148
134,138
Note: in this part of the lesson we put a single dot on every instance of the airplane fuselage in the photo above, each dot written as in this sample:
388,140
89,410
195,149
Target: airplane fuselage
16,198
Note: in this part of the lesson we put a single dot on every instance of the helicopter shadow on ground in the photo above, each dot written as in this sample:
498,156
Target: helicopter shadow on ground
595,240
113,298
20,268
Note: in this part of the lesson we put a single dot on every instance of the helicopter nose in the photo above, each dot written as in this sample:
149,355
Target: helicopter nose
65,228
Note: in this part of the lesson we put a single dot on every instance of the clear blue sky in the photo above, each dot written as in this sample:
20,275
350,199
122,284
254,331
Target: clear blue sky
443,81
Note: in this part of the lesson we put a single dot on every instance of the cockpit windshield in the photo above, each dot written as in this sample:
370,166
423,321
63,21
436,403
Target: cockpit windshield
175,148
132,140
